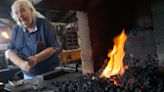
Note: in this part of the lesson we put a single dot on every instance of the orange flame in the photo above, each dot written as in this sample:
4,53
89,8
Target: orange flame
5,35
115,65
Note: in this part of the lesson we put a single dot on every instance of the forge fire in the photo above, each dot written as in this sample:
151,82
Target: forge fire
142,74
115,65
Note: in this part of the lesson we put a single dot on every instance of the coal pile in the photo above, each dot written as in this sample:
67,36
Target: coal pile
134,80
86,83
143,74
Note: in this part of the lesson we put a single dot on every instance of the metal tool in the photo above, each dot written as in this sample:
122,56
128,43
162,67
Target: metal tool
15,83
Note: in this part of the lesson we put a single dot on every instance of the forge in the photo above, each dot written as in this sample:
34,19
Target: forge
142,64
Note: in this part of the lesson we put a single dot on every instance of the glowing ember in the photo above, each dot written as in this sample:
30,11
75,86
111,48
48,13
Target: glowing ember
5,35
115,65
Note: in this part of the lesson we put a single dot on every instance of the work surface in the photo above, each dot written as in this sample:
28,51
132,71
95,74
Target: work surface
42,83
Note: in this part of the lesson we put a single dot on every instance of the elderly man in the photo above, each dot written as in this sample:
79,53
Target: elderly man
34,46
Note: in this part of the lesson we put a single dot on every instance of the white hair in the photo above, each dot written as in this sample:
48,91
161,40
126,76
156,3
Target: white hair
36,14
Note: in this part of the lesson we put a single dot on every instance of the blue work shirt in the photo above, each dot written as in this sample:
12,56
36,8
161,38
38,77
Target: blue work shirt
27,44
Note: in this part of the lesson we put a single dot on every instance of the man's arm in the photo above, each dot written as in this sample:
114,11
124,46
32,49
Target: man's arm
46,53
22,64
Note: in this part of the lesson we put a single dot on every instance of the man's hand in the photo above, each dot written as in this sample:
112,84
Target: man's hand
32,61
25,66
22,64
